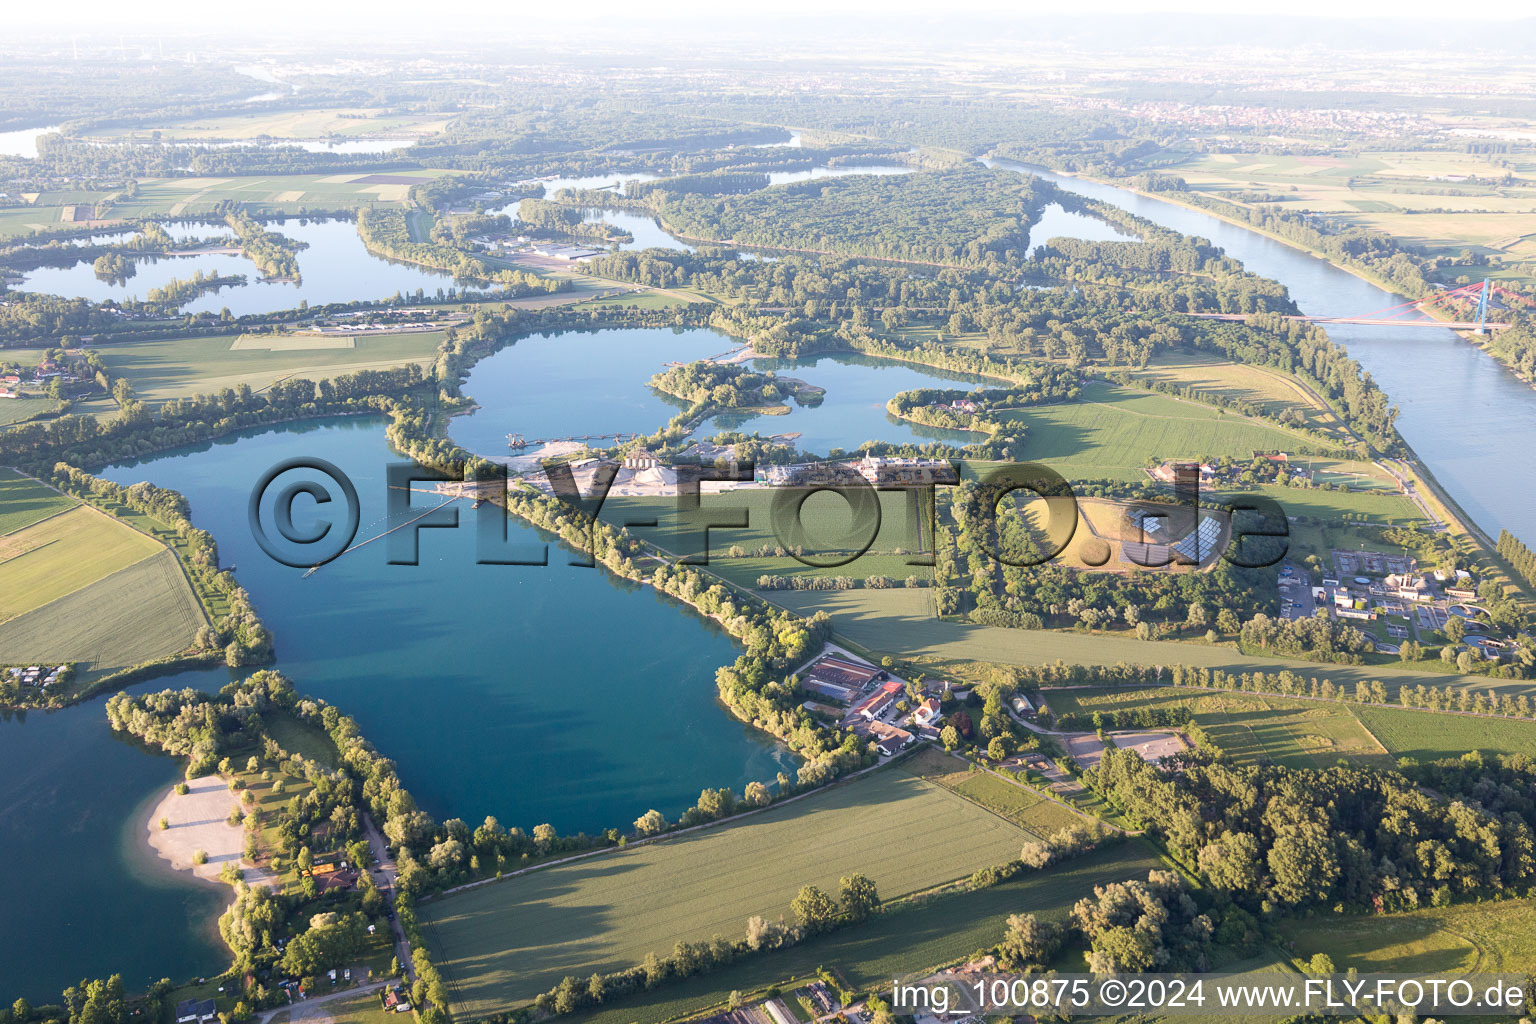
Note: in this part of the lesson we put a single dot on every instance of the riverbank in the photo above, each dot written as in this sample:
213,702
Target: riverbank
1359,272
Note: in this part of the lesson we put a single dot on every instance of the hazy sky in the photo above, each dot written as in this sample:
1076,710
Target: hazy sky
406,16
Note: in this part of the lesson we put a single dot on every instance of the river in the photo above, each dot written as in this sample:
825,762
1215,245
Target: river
1471,421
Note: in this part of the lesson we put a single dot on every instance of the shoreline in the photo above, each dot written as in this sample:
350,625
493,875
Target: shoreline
197,821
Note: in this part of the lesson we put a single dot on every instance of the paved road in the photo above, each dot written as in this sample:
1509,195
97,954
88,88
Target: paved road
299,1009
384,876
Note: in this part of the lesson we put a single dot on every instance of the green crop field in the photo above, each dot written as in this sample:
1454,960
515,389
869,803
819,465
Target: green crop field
1427,737
504,943
1024,807
182,367
1493,937
15,410
1113,431
934,932
281,193
62,554
24,501
1266,389
1364,505
137,614
1251,727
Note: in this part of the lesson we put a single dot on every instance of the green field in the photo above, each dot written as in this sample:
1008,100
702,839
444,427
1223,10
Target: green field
829,523
1266,389
63,554
137,614
182,367
1493,937
1024,807
17,410
1426,736
1367,506
506,942
1112,432
938,931
1252,727
353,122
284,193
901,623
24,501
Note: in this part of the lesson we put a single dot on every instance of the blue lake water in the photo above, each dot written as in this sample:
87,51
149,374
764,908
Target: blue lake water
336,267
74,799
854,408
538,694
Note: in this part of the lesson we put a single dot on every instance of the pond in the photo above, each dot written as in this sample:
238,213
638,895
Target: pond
1057,222
537,694
74,798
336,267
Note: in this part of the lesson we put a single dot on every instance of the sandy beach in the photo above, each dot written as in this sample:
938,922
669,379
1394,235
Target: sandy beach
198,822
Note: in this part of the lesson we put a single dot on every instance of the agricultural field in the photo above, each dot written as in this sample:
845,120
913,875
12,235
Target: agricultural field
24,501
1427,737
1492,937
143,612
62,554
285,193
16,410
504,943
182,367
1405,194
1253,728
1024,807
1270,390
936,931
354,123
1368,506
1112,431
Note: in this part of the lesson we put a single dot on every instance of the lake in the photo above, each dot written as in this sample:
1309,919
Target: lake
537,694
854,408
555,385
74,797
336,267
23,141
1471,421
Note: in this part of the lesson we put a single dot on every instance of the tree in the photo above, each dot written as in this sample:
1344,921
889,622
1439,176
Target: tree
651,823
1304,863
814,909
859,897
757,794
1227,621
1232,862
544,835
1028,942
950,737
998,748
1456,629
